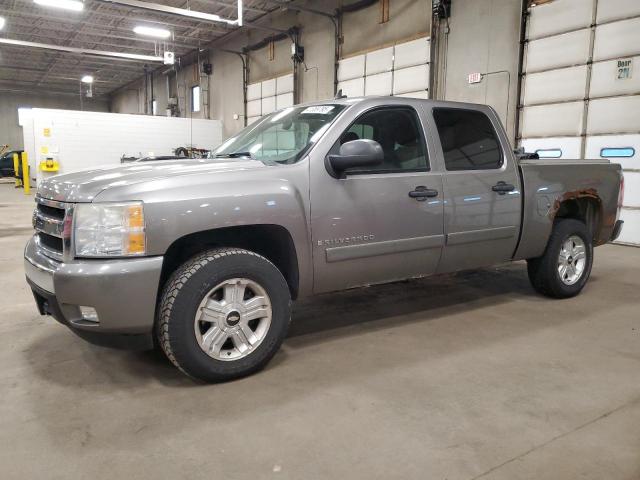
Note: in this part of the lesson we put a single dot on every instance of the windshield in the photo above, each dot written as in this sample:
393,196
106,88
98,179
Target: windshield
282,137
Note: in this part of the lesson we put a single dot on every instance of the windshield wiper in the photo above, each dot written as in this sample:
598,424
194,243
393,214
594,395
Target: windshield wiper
235,155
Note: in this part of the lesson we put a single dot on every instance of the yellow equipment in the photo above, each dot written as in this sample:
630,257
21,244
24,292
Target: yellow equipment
16,170
25,174
49,165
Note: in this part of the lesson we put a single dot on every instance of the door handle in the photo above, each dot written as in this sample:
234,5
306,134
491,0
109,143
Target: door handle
421,193
503,187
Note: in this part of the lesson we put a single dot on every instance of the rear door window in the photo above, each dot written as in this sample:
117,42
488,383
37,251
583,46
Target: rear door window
468,140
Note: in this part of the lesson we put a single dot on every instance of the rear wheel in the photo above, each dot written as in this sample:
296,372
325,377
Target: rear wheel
564,268
223,314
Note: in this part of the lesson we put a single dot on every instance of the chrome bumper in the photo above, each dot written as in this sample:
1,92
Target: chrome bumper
122,291
39,272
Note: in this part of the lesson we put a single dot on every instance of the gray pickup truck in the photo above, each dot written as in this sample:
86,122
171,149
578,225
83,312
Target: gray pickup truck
203,257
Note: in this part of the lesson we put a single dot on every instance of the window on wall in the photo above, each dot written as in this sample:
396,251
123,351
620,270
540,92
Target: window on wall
617,152
195,98
549,153
468,140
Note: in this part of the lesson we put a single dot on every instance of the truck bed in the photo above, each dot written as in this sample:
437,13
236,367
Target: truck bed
547,183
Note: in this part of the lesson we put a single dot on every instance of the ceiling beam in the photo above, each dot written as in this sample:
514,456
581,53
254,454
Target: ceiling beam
63,79
234,5
18,72
54,29
181,12
83,51
85,42
297,8
92,63
19,88
160,18
201,16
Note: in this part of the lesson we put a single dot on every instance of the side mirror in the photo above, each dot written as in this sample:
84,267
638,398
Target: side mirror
355,154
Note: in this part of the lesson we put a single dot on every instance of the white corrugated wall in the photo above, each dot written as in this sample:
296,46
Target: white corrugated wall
401,70
581,88
81,140
268,96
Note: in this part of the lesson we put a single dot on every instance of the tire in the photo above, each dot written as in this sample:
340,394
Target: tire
181,152
206,286
547,273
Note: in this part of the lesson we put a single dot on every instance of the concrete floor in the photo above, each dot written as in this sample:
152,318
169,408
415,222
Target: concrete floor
457,377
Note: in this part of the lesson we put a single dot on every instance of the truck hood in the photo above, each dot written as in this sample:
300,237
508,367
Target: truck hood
85,185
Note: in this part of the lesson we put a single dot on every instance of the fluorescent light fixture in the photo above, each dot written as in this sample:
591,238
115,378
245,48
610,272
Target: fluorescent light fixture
87,79
152,32
2,22
66,4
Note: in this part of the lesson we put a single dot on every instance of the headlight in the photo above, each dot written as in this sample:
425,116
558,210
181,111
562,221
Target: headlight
109,229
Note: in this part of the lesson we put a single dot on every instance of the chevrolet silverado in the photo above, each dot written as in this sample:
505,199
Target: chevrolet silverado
203,258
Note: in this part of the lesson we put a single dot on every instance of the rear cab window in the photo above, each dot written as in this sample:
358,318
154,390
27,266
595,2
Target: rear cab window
468,139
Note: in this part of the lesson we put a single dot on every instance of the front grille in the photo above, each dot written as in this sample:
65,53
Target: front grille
51,242
51,211
49,222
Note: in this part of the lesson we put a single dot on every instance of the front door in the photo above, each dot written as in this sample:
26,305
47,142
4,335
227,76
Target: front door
367,228
482,190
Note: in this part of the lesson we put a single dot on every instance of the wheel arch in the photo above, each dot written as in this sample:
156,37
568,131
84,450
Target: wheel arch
583,206
274,242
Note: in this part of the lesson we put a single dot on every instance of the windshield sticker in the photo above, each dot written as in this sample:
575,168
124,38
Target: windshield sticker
318,109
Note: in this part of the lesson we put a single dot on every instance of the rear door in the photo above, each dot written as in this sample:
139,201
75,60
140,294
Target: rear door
481,187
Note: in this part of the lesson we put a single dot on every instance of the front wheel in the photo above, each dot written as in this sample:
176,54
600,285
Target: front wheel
564,268
223,314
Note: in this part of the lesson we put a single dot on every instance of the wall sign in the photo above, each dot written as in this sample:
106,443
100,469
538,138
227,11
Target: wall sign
169,58
624,68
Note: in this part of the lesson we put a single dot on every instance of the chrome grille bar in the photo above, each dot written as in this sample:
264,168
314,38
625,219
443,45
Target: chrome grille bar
49,219
49,225
49,252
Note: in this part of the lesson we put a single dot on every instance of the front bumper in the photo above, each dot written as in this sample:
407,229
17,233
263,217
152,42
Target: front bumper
122,291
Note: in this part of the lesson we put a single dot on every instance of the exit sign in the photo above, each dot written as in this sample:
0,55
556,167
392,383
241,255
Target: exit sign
475,77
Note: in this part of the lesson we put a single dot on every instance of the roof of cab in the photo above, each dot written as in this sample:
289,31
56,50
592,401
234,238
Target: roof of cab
374,100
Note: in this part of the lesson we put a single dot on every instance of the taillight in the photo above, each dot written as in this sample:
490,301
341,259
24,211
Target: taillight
621,192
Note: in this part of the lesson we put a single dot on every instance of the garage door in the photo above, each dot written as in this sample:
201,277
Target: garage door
268,96
401,70
581,88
